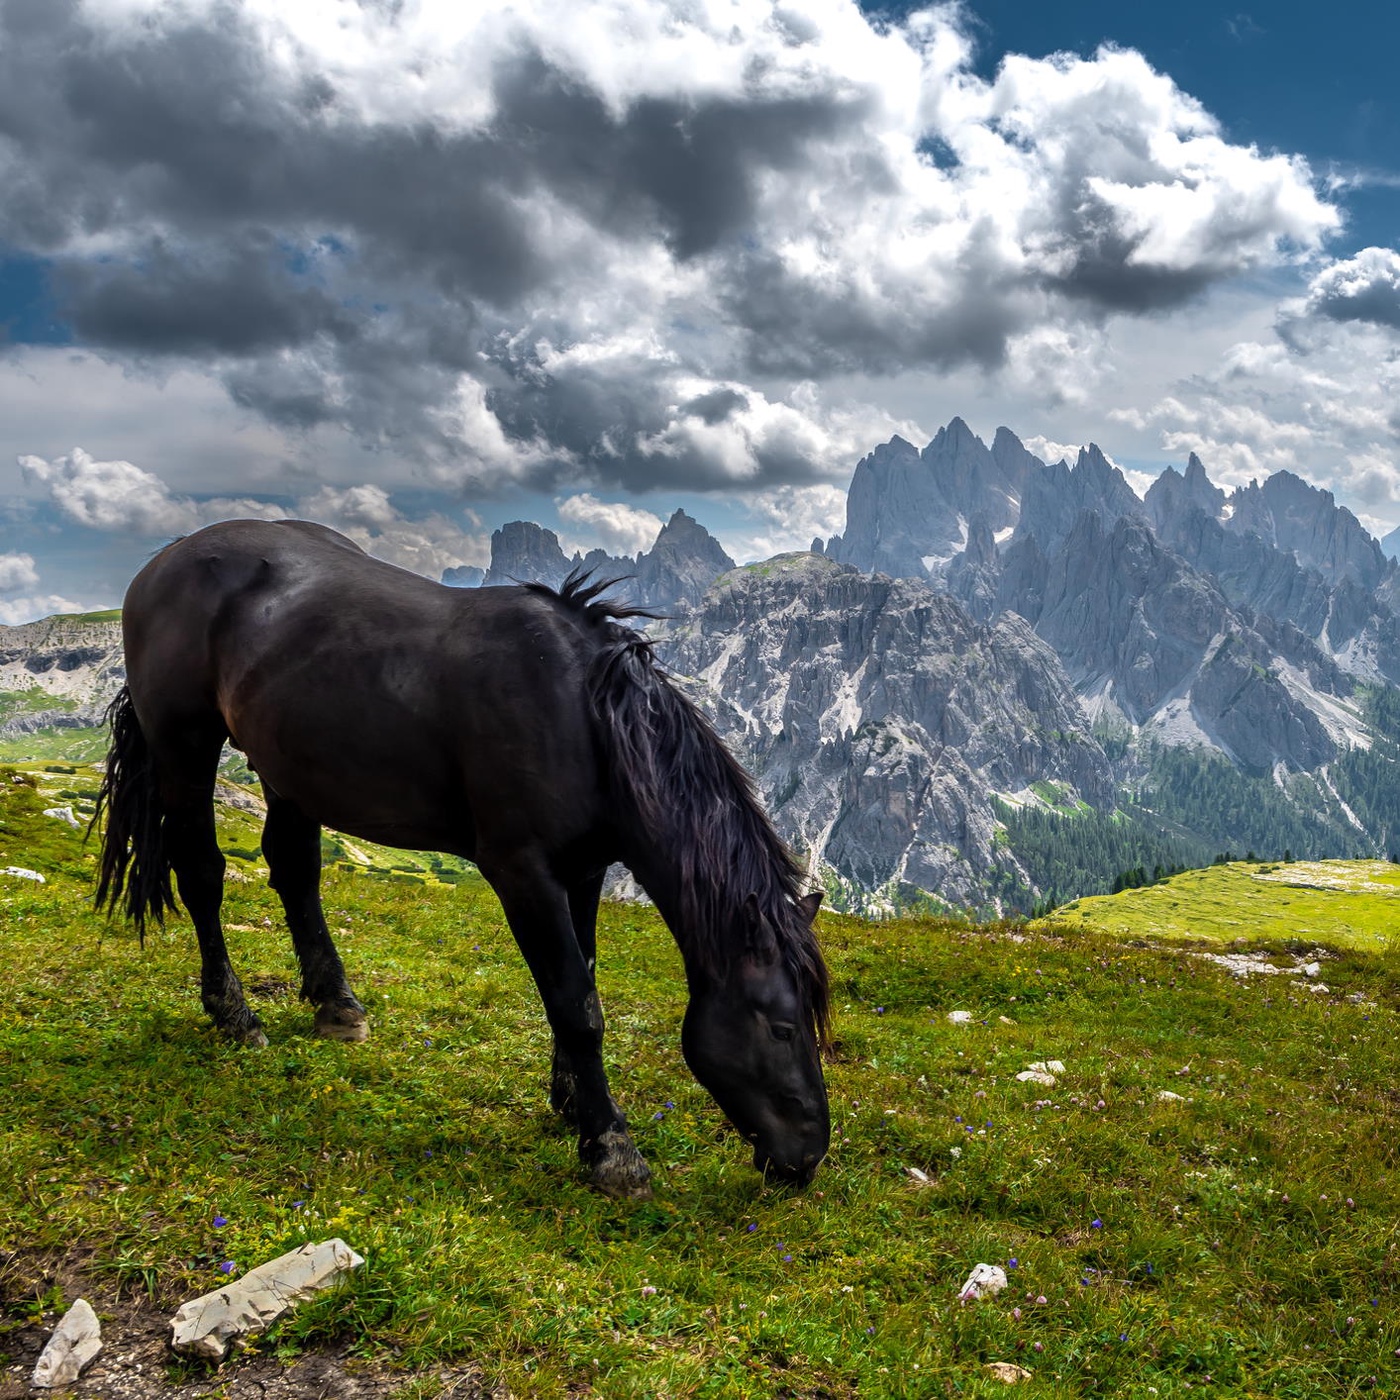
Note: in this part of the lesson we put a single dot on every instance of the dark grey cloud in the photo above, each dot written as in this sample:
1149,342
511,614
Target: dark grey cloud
517,246
1363,288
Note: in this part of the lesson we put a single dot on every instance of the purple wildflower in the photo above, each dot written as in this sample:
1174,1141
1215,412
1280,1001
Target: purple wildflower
227,1267
219,1222
1096,1224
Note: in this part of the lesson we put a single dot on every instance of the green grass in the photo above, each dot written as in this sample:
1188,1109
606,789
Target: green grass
49,745
1244,1240
1346,904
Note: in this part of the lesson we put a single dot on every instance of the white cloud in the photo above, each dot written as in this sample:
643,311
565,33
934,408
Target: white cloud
500,239
614,526
1362,288
17,571
787,518
122,498
14,611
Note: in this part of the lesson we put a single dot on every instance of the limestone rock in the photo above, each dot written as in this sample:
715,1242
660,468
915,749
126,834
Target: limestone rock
63,814
74,1345
1048,1066
960,1018
985,1281
207,1326
1036,1076
1007,1372
20,873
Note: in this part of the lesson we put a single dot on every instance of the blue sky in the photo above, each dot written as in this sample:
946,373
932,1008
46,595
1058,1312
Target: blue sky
584,262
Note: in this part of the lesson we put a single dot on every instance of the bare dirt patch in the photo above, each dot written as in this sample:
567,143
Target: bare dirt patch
136,1363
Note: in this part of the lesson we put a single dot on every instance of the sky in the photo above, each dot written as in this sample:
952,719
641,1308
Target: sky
416,268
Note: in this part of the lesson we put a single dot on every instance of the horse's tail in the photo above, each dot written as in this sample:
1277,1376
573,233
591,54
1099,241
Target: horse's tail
134,870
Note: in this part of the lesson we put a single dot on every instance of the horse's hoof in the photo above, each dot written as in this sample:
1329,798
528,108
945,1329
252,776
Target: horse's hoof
253,1036
340,1023
621,1172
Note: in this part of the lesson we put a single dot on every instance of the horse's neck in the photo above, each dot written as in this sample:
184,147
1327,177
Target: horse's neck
661,878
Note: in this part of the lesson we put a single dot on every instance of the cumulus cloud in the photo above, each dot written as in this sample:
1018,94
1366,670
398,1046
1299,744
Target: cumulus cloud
17,571
785,519
120,498
614,526
1363,288
596,244
14,611
1293,402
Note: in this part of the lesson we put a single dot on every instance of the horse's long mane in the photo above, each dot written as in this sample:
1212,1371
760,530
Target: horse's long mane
676,785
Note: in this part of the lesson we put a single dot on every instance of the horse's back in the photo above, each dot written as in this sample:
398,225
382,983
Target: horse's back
385,704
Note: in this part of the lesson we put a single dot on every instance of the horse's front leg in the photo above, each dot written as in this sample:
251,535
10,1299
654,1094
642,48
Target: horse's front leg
537,907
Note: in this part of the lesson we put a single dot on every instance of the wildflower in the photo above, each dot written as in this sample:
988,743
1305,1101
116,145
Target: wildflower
297,1205
657,1117
870,1332
1351,1205
1099,1105
668,1104
787,1258
879,1010
1096,1224
957,1118
1122,1336
648,1292
1016,1313
1013,1263
227,1267
751,1228
220,1221
1042,1299
1040,1346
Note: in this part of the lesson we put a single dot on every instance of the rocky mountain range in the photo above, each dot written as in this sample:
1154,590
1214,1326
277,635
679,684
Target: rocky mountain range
992,641
681,564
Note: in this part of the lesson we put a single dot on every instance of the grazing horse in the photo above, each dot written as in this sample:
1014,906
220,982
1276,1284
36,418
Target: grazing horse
522,728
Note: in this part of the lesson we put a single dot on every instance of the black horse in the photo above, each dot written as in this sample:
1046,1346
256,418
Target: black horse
526,729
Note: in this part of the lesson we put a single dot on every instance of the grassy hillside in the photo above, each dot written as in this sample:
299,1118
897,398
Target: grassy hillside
1346,904
1242,1238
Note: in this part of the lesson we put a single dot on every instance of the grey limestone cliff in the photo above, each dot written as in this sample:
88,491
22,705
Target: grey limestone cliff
879,720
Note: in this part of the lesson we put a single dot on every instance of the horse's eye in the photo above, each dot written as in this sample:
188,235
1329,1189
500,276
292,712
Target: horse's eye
782,1032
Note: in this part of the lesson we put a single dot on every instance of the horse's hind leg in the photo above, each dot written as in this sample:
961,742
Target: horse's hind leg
583,914
537,908
187,767
292,844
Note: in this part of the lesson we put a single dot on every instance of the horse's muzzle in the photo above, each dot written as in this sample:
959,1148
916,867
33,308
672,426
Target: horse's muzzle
787,1173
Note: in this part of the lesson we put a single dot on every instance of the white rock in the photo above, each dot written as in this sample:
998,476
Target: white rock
960,1018
1311,969
206,1326
1166,1096
1007,1372
985,1281
1047,1066
915,1175
20,873
74,1346
1036,1076
64,814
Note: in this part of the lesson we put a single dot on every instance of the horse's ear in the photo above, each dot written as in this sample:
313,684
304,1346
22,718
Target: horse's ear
758,937
808,905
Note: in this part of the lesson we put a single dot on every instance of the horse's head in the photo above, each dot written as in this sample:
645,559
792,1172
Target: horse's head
750,1038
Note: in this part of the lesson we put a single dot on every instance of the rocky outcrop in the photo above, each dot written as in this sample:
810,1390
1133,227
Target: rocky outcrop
908,512
685,560
59,672
879,720
674,573
464,576
523,552
1056,497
